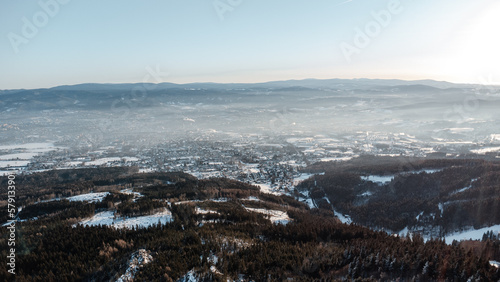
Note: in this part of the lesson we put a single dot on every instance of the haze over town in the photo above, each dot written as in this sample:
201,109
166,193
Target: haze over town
193,140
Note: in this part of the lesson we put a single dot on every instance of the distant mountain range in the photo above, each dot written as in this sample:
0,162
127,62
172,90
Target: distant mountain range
307,83
274,95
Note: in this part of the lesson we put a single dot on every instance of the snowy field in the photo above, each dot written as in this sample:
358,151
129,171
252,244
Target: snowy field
378,178
7,172
89,197
266,188
130,191
204,211
343,218
31,147
104,161
135,263
473,234
483,151
16,163
20,155
189,277
337,159
306,199
107,218
252,198
388,178
303,177
277,217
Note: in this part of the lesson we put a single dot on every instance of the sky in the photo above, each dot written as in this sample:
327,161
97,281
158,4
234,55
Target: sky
47,43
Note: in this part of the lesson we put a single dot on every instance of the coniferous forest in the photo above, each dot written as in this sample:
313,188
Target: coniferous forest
219,230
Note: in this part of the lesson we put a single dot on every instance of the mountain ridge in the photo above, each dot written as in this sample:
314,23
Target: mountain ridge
278,83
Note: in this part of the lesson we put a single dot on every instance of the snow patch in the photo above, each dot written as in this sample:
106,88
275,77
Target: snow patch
35,147
90,197
7,172
130,191
215,270
219,200
107,218
189,277
18,156
266,188
464,189
203,211
388,178
459,130
6,164
310,203
276,216
137,260
336,159
378,178
366,194
403,232
461,190
483,151
474,234
343,218
307,199
103,161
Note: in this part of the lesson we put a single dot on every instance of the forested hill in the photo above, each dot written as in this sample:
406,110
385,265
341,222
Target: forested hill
433,197
102,224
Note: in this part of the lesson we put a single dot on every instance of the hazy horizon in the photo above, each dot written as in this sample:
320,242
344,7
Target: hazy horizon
250,140
417,81
54,42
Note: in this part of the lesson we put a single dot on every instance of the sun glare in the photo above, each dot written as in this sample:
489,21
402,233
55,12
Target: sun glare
476,54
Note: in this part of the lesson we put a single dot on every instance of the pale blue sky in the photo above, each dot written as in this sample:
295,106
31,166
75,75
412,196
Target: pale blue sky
116,41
